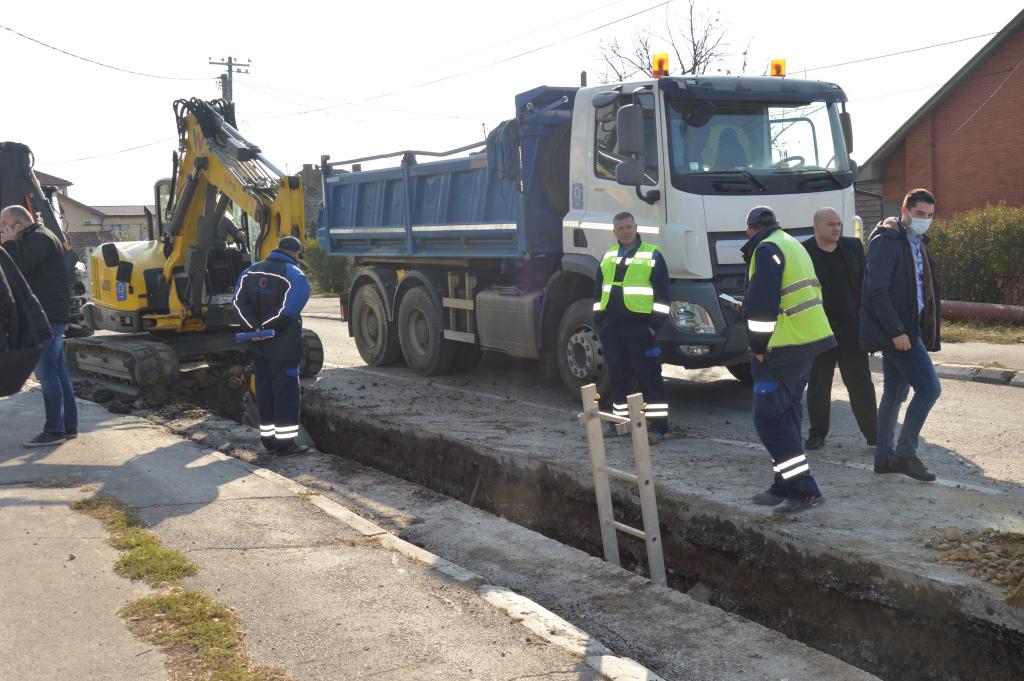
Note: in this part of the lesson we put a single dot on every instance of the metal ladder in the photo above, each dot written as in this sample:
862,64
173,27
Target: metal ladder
636,425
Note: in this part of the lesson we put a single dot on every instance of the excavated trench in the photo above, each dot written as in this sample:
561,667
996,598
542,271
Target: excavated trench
889,622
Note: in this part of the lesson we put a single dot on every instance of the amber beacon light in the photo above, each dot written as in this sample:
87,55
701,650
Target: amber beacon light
659,65
778,68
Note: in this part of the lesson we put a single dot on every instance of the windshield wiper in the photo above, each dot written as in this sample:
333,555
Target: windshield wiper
832,176
746,173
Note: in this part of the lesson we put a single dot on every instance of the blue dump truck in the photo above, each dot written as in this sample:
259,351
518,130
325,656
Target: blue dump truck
495,246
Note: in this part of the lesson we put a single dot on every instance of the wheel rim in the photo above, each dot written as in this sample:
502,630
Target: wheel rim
369,329
419,333
584,353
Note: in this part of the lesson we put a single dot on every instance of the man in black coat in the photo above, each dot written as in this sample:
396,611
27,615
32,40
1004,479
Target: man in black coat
839,265
900,317
40,257
24,330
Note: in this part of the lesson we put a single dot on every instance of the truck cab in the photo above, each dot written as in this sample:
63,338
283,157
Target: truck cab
703,151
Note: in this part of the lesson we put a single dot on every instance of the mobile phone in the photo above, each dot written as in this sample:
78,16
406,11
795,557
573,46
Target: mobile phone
729,299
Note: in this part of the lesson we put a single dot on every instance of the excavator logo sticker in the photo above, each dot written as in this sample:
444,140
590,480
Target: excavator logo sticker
122,291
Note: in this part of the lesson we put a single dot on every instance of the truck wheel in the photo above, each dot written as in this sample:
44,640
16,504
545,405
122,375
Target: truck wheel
421,334
741,372
376,338
312,354
467,358
580,355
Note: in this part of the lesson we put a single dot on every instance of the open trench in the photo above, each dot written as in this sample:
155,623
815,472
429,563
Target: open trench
888,622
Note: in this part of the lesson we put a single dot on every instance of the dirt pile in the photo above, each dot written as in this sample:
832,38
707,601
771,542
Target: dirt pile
994,556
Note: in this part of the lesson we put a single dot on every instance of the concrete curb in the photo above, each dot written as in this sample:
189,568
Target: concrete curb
969,373
542,622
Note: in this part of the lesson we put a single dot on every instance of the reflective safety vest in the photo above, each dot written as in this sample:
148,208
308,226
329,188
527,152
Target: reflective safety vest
637,292
801,317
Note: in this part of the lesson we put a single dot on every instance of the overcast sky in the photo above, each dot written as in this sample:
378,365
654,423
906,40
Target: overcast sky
357,78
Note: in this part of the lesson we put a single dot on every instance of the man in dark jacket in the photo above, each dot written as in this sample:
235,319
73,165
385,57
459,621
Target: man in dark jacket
270,295
24,329
900,317
631,292
839,265
40,257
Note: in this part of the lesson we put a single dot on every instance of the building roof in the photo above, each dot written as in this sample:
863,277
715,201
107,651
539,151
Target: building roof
67,199
873,167
83,240
129,211
47,178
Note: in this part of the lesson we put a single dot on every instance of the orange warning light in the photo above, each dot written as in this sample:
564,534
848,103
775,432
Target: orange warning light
778,68
659,65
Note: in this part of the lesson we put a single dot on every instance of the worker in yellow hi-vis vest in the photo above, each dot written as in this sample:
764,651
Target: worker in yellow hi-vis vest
631,295
787,327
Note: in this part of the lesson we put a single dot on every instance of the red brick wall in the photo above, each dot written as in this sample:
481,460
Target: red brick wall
983,161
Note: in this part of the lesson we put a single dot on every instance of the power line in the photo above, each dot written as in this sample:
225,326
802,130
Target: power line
93,61
112,153
894,54
477,68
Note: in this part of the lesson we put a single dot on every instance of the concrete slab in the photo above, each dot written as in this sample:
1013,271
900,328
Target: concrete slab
994,375
957,372
59,595
1018,380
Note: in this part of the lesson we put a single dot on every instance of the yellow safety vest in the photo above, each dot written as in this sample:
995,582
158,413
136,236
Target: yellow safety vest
637,292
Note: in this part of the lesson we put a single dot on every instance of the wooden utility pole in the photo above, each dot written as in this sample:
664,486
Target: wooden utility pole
233,66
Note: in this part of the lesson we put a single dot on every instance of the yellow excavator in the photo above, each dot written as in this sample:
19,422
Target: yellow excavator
171,298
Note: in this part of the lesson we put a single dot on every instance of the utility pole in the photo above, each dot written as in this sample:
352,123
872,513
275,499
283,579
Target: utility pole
233,66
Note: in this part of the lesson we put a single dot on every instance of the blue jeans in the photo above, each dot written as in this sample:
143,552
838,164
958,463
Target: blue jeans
902,371
58,395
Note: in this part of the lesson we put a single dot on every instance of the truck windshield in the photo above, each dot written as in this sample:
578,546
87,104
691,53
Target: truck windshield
758,147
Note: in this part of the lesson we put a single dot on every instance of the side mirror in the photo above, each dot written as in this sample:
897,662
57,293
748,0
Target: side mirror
629,130
630,173
847,124
603,99
700,115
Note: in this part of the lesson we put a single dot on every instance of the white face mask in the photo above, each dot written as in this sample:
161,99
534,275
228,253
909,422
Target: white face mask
917,226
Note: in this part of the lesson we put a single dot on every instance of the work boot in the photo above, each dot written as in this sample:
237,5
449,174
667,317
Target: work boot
293,449
885,467
654,437
44,440
609,429
814,442
767,498
794,505
912,467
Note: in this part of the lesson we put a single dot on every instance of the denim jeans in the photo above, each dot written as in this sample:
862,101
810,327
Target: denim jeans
902,371
58,395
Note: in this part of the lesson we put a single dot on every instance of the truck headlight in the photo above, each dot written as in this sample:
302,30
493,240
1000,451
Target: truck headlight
858,227
691,317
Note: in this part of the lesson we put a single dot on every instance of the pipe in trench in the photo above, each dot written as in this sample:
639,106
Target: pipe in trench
959,310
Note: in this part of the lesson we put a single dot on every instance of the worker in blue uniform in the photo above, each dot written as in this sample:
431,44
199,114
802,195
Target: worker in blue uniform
631,292
787,327
270,295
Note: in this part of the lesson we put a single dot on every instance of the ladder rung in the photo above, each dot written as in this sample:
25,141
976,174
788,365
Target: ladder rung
457,303
622,475
626,529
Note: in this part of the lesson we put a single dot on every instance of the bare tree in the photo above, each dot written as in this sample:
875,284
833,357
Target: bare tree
697,43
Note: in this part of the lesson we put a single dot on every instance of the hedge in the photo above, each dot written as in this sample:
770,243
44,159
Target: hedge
328,273
980,254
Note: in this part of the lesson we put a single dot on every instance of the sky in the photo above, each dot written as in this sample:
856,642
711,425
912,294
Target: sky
353,79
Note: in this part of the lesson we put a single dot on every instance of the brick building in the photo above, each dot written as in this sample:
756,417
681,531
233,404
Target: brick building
966,144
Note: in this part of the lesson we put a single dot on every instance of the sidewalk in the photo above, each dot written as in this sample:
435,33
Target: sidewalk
319,597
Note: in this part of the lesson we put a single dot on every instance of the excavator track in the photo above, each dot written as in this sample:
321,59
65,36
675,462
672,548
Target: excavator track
132,365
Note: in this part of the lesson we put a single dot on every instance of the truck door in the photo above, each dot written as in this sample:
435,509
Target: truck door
596,196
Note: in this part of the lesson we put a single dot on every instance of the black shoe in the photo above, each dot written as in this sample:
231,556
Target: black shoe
885,467
44,440
70,434
654,437
913,468
609,429
814,442
798,504
767,498
295,448
870,441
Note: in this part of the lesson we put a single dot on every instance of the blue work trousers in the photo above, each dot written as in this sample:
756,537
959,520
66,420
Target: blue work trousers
277,398
902,371
58,394
778,418
637,359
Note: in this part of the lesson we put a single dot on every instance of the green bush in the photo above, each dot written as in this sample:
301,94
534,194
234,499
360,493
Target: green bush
327,273
979,255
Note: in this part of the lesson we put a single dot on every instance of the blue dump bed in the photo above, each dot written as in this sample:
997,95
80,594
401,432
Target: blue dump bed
505,200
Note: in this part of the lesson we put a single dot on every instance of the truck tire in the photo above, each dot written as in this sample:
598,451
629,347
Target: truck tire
421,334
467,358
741,372
312,354
376,338
580,355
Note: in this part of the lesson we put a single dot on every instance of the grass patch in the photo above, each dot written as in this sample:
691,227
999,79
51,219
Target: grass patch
202,636
973,332
144,557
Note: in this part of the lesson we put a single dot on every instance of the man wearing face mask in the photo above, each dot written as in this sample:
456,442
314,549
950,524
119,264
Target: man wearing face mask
900,315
